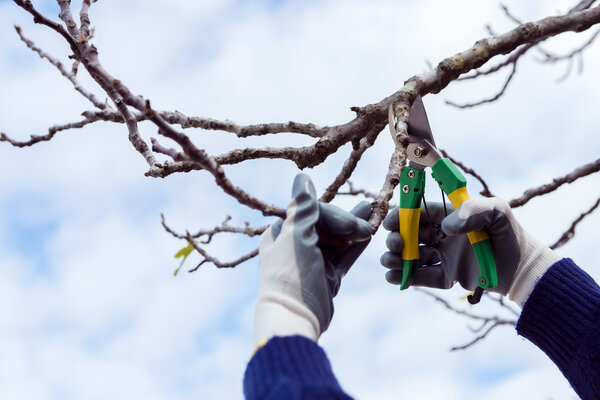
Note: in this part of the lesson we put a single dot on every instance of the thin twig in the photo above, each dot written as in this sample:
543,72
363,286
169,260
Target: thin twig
486,190
491,99
569,233
352,191
217,263
53,130
349,167
70,75
571,177
494,321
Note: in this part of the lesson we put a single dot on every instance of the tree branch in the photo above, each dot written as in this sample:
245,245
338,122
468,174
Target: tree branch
53,130
70,75
486,190
569,233
491,99
571,177
491,321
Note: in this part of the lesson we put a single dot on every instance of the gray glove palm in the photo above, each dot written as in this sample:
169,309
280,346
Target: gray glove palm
444,260
300,274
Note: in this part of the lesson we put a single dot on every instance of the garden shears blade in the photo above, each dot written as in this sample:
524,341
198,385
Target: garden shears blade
423,153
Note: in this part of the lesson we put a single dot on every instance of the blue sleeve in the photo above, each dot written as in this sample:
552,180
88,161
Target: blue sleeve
290,368
562,317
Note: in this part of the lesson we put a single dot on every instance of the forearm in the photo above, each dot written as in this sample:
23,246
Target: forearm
292,367
562,317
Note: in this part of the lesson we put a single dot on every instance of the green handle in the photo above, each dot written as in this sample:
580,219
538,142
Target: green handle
488,277
453,183
412,184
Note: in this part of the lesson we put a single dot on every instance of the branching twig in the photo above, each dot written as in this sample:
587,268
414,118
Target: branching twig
352,191
491,99
569,233
215,261
349,167
70,75
53,130
490,321
209,233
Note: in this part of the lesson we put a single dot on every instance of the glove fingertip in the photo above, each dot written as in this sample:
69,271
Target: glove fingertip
362,210
303,184
391,222
364,230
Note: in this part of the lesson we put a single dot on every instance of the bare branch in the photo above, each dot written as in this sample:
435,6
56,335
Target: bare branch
582,5
349,167
486,190
178,118
215,261
392,178
352,191
491,99
53,130
509,15
508,61
481,336
84,21
551,58
572,176
492,321
224,227
70,75
67,17
569,233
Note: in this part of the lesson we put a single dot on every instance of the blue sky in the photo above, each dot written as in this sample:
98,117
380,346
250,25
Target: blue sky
88,304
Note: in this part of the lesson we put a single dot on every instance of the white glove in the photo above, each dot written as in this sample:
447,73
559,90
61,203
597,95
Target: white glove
299,276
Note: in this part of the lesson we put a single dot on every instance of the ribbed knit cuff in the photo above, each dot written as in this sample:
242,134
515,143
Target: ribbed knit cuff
561,317
291,367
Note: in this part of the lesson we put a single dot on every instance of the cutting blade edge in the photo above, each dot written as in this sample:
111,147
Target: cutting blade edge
418,124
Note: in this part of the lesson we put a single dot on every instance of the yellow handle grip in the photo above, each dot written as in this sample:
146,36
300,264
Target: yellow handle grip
458,197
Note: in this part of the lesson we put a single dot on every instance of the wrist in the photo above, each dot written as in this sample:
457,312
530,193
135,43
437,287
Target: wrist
535,261
278,315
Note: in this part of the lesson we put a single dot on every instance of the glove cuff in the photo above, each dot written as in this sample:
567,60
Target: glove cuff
279,315
535,261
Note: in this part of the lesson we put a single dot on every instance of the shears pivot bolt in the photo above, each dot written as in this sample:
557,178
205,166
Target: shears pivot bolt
419,151
482,281
405,189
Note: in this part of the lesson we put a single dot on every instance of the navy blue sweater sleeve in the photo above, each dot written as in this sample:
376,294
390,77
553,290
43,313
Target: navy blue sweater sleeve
562,317
290,368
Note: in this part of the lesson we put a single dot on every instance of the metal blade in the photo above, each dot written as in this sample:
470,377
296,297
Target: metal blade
418,125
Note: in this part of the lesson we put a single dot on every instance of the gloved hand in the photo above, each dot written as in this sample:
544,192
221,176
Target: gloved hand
299,275
521,259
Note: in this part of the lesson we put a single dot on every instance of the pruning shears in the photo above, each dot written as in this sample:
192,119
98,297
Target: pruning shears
423,153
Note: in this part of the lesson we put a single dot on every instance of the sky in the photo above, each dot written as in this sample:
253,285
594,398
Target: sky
89,306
